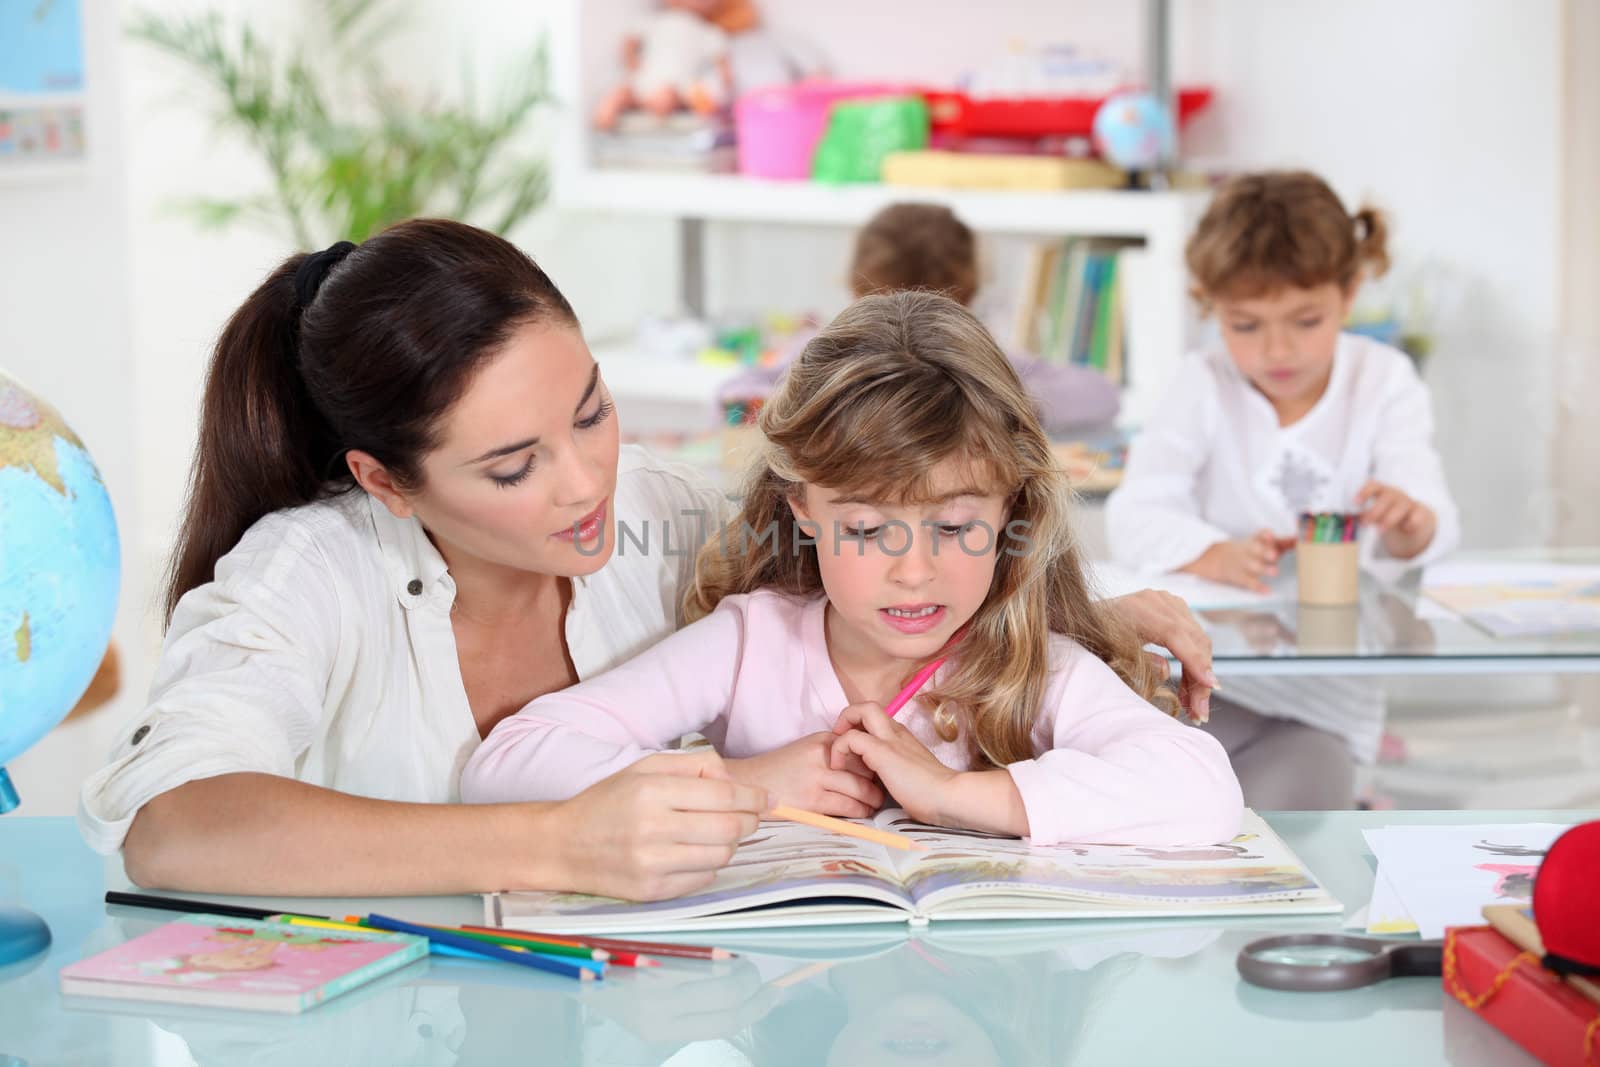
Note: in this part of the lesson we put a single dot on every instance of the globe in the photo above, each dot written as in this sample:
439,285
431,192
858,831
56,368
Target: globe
1134,131
59,575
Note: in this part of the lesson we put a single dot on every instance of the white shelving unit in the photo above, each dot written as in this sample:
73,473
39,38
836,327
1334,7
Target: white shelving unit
583,38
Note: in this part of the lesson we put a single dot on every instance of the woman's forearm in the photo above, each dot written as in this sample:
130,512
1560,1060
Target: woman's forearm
259,834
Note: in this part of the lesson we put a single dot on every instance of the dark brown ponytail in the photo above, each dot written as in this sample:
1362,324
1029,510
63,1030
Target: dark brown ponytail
1372,240
371,356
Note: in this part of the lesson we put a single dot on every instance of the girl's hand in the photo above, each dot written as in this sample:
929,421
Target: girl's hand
928,790
659,829
912,774
803,775
1163,619
1243,562
1407,526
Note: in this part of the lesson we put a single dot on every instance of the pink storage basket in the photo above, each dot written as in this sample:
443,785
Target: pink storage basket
779,126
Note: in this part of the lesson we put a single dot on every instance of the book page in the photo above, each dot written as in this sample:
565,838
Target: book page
1254,867
1445,875
780,862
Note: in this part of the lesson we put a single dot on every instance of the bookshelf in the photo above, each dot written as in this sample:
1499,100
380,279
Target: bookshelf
583,38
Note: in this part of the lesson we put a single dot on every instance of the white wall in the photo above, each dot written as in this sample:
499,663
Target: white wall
1447,113
64,333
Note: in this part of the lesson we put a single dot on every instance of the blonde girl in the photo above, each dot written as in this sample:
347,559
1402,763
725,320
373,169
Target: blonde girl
906,505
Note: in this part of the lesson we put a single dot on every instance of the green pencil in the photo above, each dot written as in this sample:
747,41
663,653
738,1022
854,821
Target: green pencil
544,948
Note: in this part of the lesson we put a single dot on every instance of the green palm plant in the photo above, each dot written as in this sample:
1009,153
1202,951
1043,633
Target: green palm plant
348,149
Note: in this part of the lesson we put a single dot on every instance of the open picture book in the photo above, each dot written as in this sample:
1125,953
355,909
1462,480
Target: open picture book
788,874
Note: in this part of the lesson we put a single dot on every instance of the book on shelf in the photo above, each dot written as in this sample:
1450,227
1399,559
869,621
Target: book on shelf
682,141
1073,303
791,875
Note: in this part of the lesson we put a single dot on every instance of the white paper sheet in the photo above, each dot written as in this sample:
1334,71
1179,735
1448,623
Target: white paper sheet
1111,580
1444,875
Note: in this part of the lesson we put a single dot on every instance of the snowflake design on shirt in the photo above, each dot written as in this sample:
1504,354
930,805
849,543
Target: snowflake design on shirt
1300,482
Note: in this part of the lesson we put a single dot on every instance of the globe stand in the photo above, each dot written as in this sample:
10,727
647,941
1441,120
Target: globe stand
22,933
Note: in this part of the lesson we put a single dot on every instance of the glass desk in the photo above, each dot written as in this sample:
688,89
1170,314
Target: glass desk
1391,631
1046,994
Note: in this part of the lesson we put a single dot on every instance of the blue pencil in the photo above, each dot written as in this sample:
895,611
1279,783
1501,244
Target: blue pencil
583,970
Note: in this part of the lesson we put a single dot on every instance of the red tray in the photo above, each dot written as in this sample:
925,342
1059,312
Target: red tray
1062,116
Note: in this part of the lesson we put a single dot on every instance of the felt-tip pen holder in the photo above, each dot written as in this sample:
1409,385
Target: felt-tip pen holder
1328,573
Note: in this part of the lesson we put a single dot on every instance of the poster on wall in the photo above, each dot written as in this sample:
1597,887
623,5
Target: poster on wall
41,85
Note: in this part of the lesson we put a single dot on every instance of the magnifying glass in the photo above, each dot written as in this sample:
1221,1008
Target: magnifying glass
1312,963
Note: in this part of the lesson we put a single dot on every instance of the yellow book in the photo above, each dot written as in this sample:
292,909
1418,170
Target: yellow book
959,170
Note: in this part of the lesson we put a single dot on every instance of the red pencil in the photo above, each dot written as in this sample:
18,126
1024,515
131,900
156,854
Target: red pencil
652,948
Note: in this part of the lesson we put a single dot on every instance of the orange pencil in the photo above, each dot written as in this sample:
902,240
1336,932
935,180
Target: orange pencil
847,828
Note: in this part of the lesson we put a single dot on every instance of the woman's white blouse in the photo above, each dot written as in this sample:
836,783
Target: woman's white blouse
323,649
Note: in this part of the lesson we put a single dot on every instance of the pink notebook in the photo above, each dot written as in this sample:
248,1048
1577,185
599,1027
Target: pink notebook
241,963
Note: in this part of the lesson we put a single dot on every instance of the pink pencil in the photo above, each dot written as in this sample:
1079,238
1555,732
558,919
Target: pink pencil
903,697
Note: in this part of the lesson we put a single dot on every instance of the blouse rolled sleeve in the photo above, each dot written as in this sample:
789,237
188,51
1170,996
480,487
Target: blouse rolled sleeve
241,683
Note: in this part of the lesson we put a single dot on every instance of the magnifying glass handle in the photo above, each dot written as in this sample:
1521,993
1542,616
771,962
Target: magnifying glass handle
1414,961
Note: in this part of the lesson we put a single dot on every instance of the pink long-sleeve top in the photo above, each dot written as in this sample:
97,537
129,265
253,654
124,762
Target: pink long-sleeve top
755,675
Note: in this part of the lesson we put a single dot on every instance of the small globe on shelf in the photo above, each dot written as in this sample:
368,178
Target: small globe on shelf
60,570
1136,132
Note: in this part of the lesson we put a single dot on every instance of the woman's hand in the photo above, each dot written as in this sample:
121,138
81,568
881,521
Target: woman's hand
659,829
1162,619
1407,525
801,774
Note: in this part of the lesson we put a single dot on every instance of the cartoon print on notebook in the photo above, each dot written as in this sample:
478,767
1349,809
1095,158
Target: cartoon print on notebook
1515,881
1509,850
238,949
1300,480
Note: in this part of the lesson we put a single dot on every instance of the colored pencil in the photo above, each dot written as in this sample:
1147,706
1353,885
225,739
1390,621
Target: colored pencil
903,697
543,939
582,970
517,939
196,907
545,948
847,828
653,948
434,948
319,924
581,952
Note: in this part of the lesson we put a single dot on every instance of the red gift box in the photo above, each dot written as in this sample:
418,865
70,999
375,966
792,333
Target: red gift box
1508,989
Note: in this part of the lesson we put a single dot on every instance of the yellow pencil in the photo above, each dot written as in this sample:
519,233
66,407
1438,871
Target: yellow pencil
321,924
847,828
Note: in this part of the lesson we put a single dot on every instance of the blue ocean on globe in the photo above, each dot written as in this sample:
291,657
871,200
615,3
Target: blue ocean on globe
1135,131
59,576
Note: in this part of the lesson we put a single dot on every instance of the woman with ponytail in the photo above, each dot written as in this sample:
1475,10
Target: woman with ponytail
402,526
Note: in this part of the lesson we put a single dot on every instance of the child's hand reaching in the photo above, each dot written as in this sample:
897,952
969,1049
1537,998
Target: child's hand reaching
1243,562
1407,525
803,775
928,790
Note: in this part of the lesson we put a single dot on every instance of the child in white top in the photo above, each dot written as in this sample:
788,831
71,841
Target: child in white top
1290,416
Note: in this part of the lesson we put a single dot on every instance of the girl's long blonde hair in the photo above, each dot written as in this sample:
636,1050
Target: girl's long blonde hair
895,385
